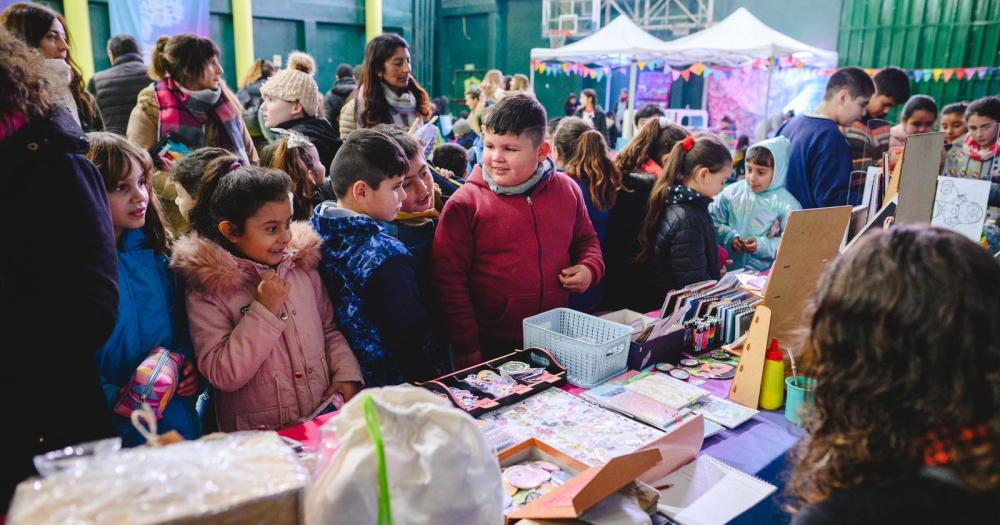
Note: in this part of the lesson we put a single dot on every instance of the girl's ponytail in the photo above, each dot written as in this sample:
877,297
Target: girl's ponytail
202,219
158,63
232,190
590,163
655,140
702,150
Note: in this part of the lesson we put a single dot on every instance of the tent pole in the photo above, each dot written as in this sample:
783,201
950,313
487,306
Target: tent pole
531,81
629,121
767,97
607,94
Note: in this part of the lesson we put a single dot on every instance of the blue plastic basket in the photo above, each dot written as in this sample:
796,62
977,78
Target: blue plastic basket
592,349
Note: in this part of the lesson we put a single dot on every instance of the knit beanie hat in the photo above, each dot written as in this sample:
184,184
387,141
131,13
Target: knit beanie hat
296,84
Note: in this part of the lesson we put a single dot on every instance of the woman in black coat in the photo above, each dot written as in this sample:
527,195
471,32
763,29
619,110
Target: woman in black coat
590,111
58,274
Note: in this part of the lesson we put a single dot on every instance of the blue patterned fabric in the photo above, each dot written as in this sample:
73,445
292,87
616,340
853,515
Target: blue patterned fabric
354,246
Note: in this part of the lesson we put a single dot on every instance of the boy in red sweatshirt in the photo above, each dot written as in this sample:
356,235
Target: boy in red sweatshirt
514,241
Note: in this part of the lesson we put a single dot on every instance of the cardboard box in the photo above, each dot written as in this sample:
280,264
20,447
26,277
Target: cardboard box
586,489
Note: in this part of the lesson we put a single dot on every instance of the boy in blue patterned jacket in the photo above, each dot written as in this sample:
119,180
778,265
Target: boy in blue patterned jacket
370,274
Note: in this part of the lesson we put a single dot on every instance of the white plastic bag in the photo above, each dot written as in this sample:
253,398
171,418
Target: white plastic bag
439,466
245,477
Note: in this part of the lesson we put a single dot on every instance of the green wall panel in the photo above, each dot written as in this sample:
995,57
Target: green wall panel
222,34
339,43
100,32
922,34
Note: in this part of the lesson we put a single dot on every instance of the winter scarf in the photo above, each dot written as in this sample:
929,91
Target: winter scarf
543,170
187,112
402,104
680,194
977,152
417,218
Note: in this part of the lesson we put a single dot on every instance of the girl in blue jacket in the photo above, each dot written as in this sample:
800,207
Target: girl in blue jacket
148,313
751,214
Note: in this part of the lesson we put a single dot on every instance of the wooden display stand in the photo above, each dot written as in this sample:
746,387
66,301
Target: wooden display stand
811,240
921,166
909,198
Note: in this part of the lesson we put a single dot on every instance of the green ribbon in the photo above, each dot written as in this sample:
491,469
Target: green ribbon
375,432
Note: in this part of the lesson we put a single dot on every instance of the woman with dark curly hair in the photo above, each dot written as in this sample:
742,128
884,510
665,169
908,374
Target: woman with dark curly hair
57,272
387,92
906,345
46,30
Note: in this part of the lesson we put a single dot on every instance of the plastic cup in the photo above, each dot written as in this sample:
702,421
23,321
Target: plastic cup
798,397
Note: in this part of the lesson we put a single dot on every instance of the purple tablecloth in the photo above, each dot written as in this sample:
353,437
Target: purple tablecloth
759,447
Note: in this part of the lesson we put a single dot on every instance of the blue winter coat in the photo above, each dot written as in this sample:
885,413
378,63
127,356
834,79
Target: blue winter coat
371,279
149,315
739,212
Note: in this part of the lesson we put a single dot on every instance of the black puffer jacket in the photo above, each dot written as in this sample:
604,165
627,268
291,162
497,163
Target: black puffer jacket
117,89
626,282
320,132
335,99
686,249
59,279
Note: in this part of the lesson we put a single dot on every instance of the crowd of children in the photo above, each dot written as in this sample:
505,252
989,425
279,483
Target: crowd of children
349,259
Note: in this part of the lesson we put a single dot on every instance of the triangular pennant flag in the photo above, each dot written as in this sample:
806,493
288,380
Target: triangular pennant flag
937,72
960,73
686,74
698,68
642,66
676,74
980,72
565,67
948,73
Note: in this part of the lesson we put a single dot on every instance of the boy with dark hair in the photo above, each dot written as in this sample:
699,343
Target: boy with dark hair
514,241
819,167
452,157
647,112
869,141
369,274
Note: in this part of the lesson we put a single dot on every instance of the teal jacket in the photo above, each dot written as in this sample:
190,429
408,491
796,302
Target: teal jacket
739,212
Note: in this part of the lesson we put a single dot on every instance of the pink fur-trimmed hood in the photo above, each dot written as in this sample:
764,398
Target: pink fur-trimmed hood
208,267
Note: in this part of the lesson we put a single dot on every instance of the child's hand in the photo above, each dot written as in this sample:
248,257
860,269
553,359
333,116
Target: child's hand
576,278
446,173
272,291
348,389
750,245
738,245
190,380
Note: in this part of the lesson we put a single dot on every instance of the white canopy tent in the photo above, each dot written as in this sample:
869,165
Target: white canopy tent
739,40
618,44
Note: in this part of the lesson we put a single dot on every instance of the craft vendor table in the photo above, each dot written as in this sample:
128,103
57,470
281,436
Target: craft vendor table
758,447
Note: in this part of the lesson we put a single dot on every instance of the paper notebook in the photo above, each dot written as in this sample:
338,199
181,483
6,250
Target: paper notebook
671,392
706,491
723,411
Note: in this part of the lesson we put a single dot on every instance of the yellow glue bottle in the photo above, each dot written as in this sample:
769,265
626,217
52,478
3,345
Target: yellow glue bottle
772,388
